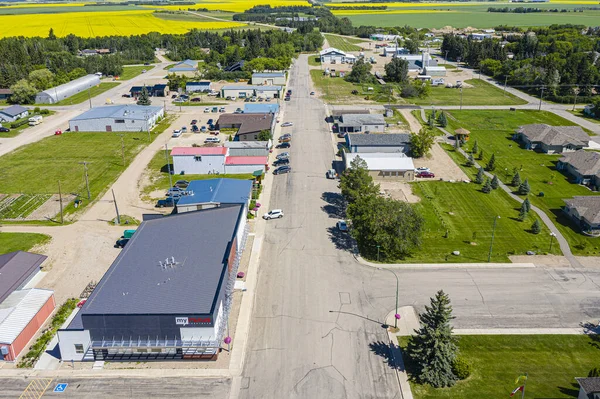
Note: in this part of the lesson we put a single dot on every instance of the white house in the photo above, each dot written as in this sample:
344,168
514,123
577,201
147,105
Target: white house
214,160
244,91
334,56
12,113
385,166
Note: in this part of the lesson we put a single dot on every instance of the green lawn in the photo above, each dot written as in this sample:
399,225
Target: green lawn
159,177
344,43
42,164
338,91
482,93
397,120
85,95
133,71
314,60
10,242
467,214
551,361
493,130
579,113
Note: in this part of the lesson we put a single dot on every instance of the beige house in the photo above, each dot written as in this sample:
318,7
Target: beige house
385,166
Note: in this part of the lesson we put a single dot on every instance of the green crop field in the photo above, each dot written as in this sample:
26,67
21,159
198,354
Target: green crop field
180,16
551,361
343,43
493,130
130,72
460,217
482,93
86,94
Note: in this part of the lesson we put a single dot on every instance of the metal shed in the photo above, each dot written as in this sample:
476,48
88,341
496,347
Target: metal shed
58,93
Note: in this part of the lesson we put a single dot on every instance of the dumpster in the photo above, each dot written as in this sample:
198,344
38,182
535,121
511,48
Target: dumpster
128,233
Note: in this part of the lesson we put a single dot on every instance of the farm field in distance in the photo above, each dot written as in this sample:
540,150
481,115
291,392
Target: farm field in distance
344,43
461,15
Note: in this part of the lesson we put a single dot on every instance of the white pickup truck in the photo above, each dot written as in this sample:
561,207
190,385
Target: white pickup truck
35,120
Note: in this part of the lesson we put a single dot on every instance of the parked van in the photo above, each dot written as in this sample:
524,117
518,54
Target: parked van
35,120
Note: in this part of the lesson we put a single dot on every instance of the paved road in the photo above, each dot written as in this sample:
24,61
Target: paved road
101,388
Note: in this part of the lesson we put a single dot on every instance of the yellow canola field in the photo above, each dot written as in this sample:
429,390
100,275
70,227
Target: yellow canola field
236,5
37,5
450,4
101,23
361,12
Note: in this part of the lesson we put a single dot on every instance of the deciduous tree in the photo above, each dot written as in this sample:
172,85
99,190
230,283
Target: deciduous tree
356,182
421,143
397,70
23,92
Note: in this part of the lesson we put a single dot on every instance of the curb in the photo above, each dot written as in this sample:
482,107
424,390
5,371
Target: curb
364,262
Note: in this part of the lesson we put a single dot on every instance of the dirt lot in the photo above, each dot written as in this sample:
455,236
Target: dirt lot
441,165
398,191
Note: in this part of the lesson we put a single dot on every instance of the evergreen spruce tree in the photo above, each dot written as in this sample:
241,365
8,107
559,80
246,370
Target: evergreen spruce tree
487,187
516,180
433,349
480,157
523,212
431,121
536,227
442,120
475,148
144,97
527,204
491,165
479,177
470,160
456,144
524,188
495,183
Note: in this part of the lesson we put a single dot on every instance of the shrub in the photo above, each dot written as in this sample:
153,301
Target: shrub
45,111
36,110
461,368
22,122
541,194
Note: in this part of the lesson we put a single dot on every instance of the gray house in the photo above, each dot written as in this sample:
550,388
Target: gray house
117,118
552,139
589,388
357,123
12,113
370,143
585,212
583,166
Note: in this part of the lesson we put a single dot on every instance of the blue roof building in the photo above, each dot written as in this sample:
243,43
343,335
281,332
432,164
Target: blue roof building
262,108
184,66
204,194
117,118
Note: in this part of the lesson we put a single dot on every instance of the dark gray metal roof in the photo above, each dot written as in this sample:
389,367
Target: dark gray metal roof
137,284
15,268
373,139
589,384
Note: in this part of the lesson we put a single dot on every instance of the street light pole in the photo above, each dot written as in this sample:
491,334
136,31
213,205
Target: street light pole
168,164
492,242
396,315
552,235
378,253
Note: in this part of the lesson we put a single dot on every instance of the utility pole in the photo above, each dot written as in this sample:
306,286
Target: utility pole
446,58
541,97
87,183
492,243
505,80
168,164
90,97
122,149
576,90
62,221
461,96
116,208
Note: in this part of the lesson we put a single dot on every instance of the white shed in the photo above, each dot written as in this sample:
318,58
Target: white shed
58,93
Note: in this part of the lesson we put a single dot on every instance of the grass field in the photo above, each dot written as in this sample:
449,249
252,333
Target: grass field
44,163
483,93
343,43
551,361
579,113
158,175
130,72
493,130
85,95
10,242
467,214
101,23
438,15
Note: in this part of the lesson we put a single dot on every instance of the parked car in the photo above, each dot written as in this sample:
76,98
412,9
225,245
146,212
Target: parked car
341,135
285,139
58,132
5,129
238,111
287,124
331,174
144,71
289,92
203,129
212,140
176,133
174,96
210,121
282,169
253,99
215,132
283,155
281,162
283,145
342,225
126,95
260,99
425,174
183,129
196,100
222,109
195,129
174,191
274,214
194,121
121,243
206,110
168,202
233,98
312,93
421,169
182,184
146,63
287,98
179,100
81,303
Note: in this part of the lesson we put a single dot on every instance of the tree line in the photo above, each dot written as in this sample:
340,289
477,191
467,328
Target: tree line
561,59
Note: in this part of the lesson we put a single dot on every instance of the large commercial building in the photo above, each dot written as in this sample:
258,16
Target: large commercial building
244,91
215,160
64,91
117,118
268,78
166,296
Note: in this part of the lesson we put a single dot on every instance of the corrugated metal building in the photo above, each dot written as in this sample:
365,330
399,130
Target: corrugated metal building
117,118
198,160
239,165
58,93
22,314
268,78
248,148
166,296
214,193
391,142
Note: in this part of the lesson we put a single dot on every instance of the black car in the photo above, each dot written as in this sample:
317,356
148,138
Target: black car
280,162
4,129
282,169
287,98
283,145
121,243
168,202
146,63
181,183
174,96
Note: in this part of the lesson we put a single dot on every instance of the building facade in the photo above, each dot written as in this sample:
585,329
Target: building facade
12,113
269,78
357,123
378,143
117,118
215,161
334,56
385,166
552,139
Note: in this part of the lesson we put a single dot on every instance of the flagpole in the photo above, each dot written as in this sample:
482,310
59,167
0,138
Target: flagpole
524,385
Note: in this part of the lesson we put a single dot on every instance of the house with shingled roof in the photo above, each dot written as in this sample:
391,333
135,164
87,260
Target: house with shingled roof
552,139
582,166
585,212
